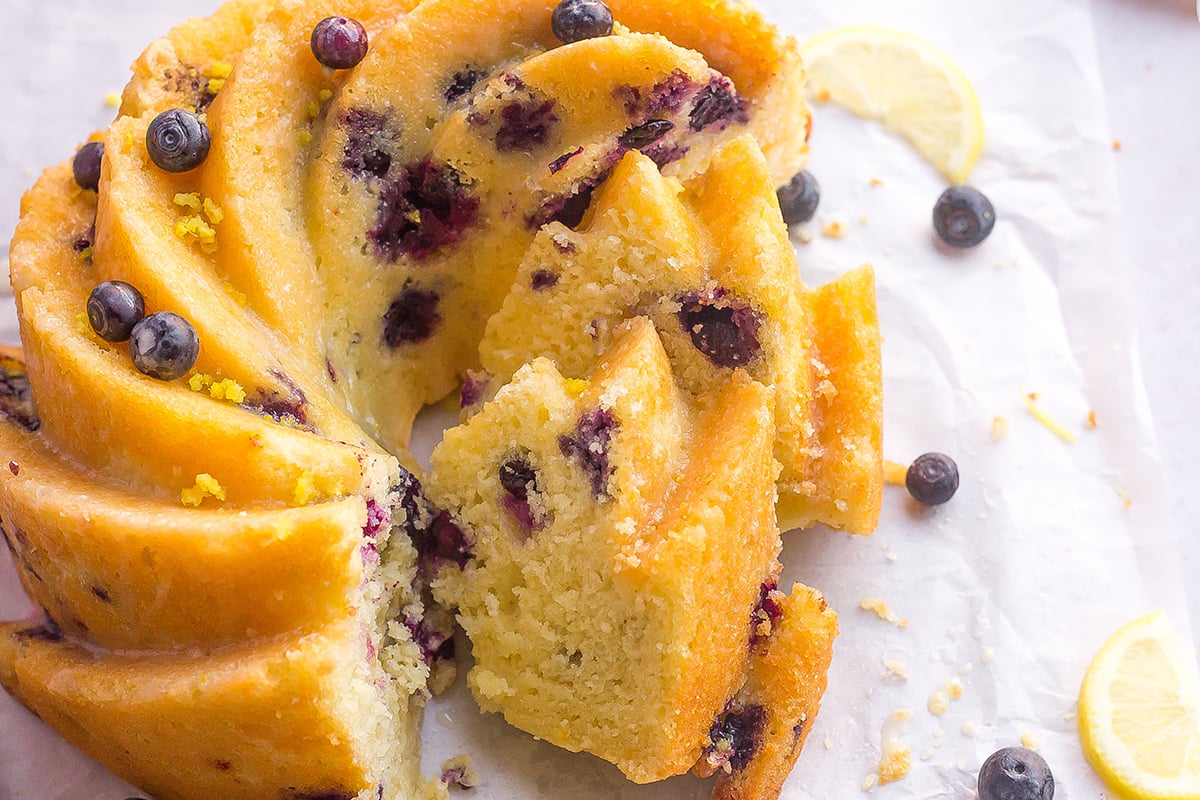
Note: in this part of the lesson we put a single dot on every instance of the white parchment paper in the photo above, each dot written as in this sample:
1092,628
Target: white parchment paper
1011,587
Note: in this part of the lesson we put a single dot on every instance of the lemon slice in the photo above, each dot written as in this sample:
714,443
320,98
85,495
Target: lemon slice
1139,713
906,83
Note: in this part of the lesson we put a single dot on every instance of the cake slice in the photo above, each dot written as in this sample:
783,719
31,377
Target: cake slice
619,542
710,262
758,737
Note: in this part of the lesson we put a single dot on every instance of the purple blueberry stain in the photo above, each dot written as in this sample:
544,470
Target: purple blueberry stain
16,399
379,519
412,318
628,96
543,279
459,776
642,136
286,404
588,445
435,645
48,631
718,104
767,613
558,164
190,83
663,154
568,209
736,737
410,499
725,332
669,94
474,389
525,124
462,83
519,480
798,731
370,143
442,540
83,243
423,208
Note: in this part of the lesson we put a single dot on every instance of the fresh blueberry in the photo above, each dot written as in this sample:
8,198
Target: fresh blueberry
576,20
339,42
164,346
798,200
113,308
932,479
86,166
178,141
963,217
1015,773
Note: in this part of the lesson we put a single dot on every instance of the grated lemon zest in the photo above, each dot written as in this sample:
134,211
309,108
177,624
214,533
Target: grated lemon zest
306,490
206,486
1051,424
227,389
895,473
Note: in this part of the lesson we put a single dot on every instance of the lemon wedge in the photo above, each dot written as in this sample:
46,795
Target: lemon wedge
906,83
1139,713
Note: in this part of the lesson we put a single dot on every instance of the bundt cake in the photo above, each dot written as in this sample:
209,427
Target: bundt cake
221,519
621,546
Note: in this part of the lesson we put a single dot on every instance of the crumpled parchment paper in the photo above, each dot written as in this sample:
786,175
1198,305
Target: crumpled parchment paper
1008,590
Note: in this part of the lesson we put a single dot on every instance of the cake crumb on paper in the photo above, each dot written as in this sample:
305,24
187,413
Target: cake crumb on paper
1031,741
883,611
940,699
835,227
999,427
1090,421
460,772
895,756
895,670
969,729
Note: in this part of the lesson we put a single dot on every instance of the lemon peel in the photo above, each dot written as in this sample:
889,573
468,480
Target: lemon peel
905,82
